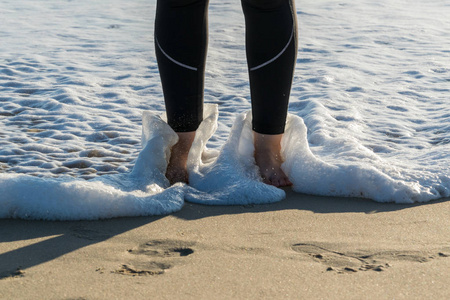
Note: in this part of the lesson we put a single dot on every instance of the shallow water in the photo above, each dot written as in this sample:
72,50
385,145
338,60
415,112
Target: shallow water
371,85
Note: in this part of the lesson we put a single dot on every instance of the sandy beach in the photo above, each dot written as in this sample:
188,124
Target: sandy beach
304,247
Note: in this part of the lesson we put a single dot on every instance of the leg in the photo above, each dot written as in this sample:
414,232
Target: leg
176,169
269,160
180,43
271,45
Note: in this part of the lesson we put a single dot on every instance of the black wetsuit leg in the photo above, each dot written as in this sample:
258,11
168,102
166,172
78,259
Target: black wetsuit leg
271,46
181,33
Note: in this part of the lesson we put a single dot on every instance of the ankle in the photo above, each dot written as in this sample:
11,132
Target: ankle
267,144
185,140
180,151
176,168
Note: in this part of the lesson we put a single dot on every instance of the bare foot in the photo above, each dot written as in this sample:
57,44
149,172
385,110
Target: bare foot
176,169
268,159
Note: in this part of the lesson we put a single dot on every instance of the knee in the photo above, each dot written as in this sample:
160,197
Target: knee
264,4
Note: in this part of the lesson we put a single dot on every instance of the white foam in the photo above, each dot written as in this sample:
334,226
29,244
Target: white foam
233,178
225,177
230,176
142,192
311,175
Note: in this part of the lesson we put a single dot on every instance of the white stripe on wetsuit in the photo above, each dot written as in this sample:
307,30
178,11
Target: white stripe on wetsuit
173,60
278,55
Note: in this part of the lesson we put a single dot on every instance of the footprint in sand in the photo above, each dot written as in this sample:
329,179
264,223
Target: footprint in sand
350,262
155,257
88,234
18,273
143,269
164,248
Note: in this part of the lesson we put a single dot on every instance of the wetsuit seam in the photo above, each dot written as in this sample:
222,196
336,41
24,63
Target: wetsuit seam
173,59
276,56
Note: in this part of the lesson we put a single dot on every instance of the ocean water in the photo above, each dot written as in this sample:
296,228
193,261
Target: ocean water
80,102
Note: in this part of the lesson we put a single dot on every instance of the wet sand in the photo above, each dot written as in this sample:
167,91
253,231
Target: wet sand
304,247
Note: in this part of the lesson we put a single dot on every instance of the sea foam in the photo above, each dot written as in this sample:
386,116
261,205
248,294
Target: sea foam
142,192
226,177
